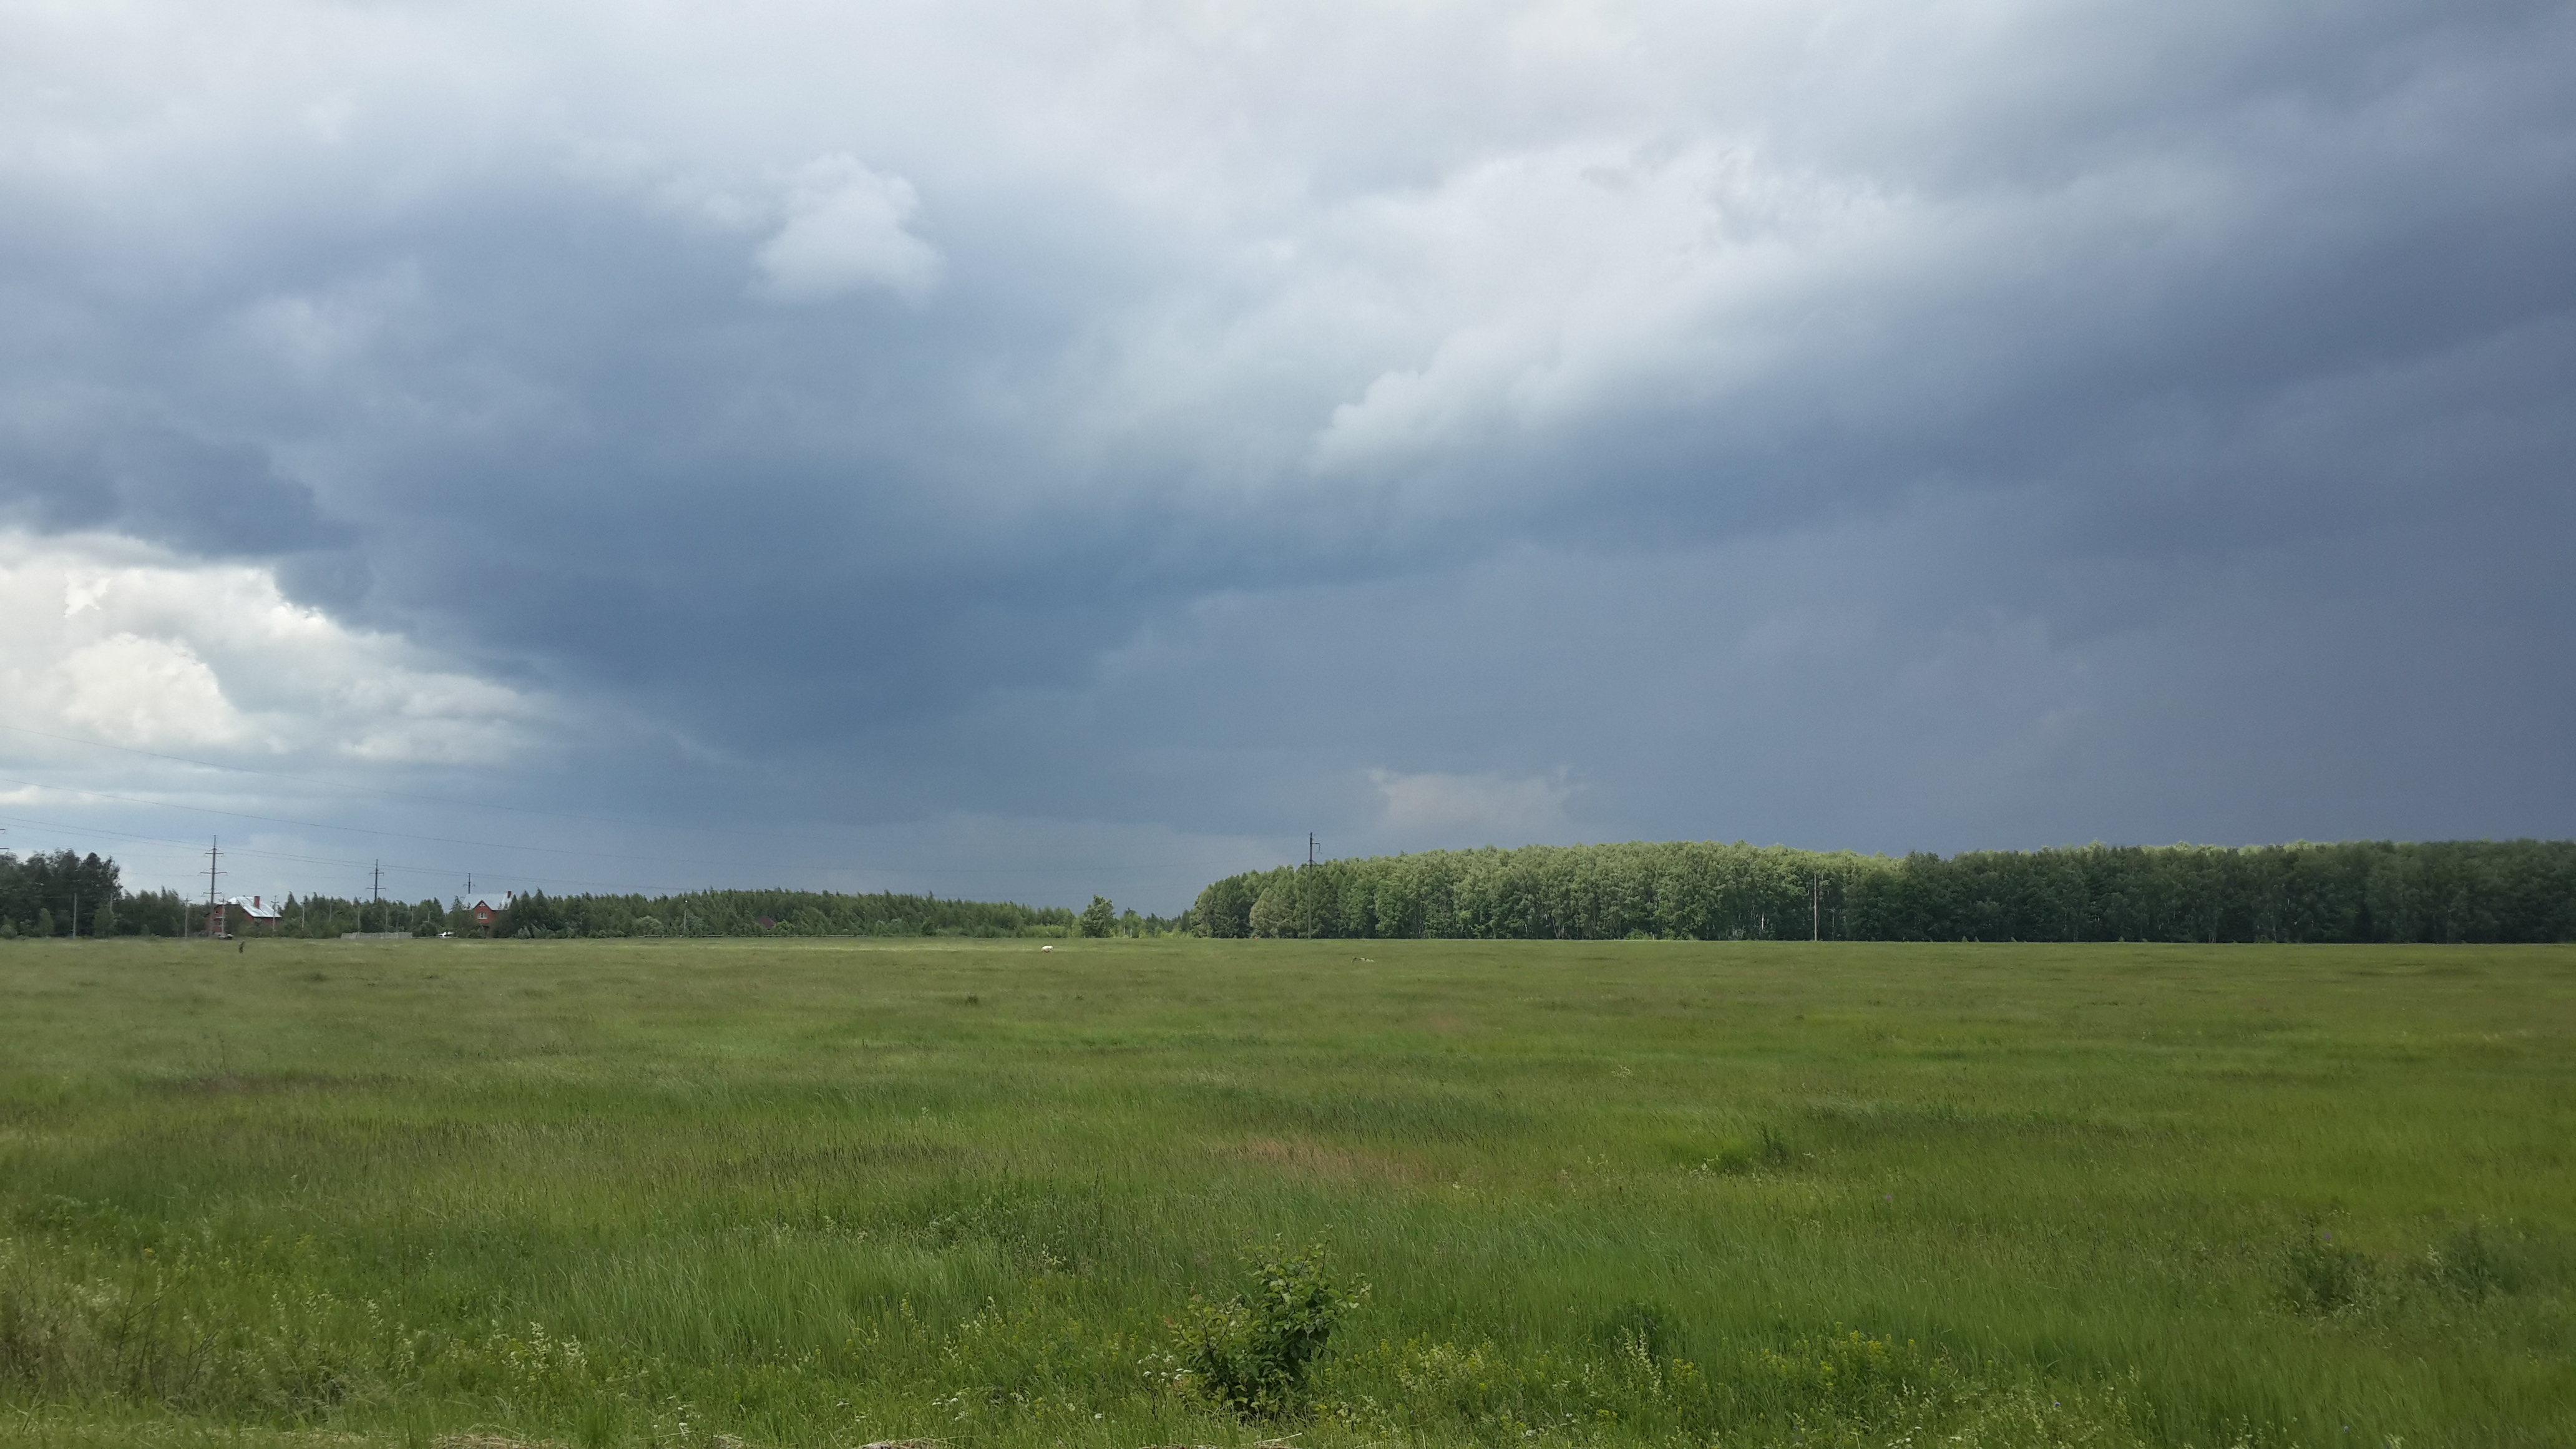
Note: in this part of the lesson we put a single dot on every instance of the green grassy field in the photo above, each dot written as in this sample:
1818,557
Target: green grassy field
833,1192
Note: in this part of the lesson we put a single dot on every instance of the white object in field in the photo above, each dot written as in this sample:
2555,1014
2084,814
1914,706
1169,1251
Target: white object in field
1046,948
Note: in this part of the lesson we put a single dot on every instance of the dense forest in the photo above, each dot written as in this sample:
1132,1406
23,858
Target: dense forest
2516,890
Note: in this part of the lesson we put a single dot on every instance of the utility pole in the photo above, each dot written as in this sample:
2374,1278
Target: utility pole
377,891
214,854
1310,848
1815,908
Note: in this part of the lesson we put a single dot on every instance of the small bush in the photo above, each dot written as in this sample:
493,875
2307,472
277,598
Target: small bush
1255,1352
2323,1276
1641,1329
2472,1264
1768,1151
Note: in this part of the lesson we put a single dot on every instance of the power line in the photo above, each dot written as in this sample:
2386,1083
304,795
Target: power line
442,800
86,830
350,829
338,784
565,850
443,872
446,872
764,835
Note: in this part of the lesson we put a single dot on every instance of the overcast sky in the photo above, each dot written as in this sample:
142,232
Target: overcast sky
1024,450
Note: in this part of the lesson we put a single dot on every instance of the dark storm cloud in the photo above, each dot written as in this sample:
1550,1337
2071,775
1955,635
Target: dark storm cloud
1930,426
217,498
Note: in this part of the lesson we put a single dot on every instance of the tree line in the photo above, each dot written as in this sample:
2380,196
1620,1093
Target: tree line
52,890
43,894
778,913
2350,891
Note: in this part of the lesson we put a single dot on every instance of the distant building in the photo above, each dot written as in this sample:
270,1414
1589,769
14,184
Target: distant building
246,916
491,913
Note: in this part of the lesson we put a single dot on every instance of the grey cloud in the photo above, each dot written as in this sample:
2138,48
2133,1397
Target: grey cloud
216,498
1888,427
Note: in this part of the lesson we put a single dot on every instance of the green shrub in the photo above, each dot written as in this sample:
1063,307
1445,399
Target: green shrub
2471,1264
1767,1151
2324,1276
1255,1352
1639,1328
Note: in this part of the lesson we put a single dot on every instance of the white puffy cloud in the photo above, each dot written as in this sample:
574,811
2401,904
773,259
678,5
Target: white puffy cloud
1533,288
137,691
846,232
116,640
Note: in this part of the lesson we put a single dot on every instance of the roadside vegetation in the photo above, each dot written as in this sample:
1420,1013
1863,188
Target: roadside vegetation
1181,1191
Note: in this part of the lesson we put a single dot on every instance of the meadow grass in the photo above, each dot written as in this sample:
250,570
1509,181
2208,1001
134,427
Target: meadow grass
827,1192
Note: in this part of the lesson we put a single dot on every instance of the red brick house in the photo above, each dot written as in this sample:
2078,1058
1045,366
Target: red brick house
246,916
491,913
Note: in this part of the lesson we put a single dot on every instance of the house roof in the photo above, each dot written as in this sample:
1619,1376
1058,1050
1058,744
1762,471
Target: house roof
258,908
494,902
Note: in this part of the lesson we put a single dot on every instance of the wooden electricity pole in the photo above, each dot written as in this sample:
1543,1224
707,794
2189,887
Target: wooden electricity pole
214,856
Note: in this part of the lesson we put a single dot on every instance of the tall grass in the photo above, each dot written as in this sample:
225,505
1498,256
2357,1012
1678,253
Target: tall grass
834,1192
